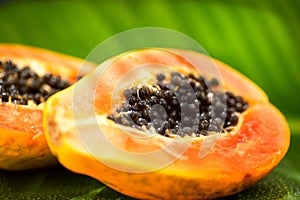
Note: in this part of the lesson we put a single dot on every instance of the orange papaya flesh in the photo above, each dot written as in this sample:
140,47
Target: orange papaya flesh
234,82
238,159
23,144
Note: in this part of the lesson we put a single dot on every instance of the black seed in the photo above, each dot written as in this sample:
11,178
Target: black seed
176,80
144,92
193,84
229,95
168,94
173,114
63,84
201,80
163,102
199,88
133,100
173,74
215,106
169,108
25,73
231,110
19,85
204,132
166,125
174,101
153,100
228,124
141,121
160,77
35,85
239,106
233,119
47,77
8,65
202,97
205,124
158,94
41,91
214,82
54,80
22,102
173,131
203,116
135,115
231,101
191,76
14,93
78,78
141,104
133,92
239,99
127,94
245,106
171,121
111,117
38,98
146,113
160,130
4,96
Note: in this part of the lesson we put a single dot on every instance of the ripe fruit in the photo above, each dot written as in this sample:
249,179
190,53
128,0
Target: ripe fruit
133,159
28,77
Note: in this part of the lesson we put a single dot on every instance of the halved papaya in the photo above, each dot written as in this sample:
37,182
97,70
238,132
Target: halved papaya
152,166
22,142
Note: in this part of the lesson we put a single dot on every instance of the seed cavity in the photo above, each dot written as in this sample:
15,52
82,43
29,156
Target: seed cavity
179,105
25,87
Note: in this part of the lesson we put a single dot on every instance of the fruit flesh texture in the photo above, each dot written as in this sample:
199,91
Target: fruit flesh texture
23,144
238,159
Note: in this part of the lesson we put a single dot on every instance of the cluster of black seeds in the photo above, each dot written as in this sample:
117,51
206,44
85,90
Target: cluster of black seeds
181,105
21,85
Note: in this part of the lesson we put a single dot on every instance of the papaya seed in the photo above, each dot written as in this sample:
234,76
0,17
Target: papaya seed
19,85
213,106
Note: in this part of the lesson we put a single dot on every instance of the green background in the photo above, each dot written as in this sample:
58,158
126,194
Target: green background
259,38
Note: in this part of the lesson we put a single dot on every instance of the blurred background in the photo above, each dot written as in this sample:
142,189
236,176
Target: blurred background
260,38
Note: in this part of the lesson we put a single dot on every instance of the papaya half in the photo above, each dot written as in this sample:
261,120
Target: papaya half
87,139
22,142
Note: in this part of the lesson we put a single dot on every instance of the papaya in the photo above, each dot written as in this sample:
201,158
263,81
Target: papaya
84,132
22,141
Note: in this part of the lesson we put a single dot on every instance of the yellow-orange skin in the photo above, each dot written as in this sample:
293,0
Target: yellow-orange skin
238,160
22,142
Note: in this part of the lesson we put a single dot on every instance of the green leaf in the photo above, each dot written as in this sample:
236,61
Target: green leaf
90,195
259,38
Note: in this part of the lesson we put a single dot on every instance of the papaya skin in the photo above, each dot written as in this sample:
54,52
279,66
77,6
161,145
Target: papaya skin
238,159
22,144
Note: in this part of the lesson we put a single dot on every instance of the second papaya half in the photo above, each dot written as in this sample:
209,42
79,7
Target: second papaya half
28,76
